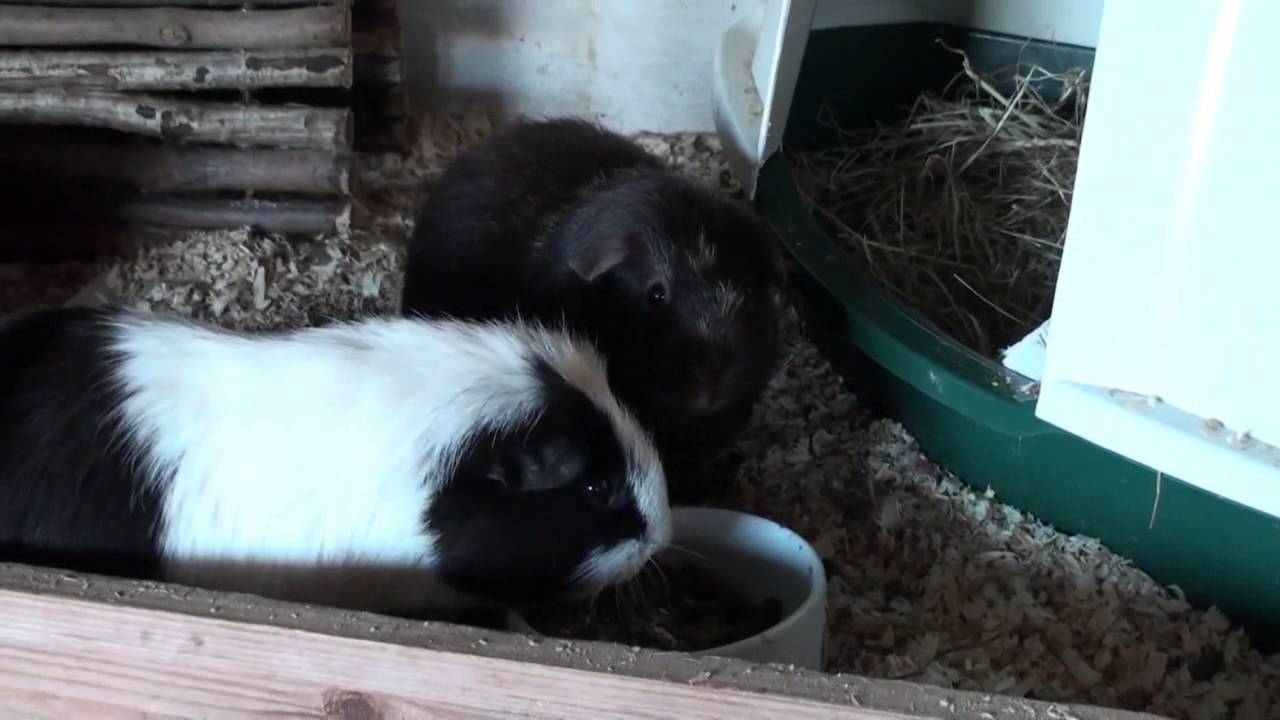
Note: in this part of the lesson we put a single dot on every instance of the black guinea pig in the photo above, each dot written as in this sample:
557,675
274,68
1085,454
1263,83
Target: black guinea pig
412,467
681,287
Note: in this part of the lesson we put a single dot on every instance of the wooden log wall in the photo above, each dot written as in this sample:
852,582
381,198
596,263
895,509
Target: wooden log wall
187,114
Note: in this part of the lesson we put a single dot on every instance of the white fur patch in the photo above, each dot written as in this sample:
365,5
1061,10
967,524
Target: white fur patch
617,564
285,458
703,254
777,298
728,299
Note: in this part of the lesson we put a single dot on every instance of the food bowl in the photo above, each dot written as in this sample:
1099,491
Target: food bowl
760,559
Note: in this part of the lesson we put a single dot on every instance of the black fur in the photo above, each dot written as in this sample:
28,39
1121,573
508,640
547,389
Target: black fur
469,252
506,221
525,507
65,465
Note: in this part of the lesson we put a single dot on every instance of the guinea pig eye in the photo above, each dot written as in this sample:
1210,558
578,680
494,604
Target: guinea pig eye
657,294
598,490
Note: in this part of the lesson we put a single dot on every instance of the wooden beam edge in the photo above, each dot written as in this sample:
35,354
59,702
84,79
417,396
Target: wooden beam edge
319,656
176,27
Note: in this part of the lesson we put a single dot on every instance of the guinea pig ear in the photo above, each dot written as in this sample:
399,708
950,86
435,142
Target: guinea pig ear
594,259
500,473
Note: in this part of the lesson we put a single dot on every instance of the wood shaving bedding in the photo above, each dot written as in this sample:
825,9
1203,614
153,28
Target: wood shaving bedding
931,581
250,282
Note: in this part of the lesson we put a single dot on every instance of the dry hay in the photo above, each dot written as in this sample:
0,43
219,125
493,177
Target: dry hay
931,581
961,208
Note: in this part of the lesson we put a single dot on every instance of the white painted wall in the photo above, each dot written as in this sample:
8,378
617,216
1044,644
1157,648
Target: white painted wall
644,64
637,65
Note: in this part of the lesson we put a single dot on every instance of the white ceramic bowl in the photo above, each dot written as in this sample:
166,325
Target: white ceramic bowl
760,558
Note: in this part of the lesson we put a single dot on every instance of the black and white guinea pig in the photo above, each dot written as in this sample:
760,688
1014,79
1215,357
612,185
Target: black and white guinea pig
680,286
393,465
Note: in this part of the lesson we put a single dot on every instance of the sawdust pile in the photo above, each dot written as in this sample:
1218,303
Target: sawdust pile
931,580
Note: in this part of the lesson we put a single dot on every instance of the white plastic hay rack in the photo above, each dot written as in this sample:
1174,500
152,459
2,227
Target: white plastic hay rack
1165,337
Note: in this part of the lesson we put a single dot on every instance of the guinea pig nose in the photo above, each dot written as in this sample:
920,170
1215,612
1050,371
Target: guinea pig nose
706,395
705,402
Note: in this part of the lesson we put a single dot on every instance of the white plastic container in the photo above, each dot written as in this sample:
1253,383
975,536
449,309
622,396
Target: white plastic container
761,558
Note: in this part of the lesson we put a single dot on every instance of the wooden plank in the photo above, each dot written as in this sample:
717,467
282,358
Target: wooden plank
221,123
377,71
374,14
76,645
172,3
306,217
175,70
58,239
171,27
384,42
160,167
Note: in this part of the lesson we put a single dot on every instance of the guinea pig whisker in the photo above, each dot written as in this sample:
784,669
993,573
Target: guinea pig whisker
629,587
595,600
537,418
681,548
641,597
662,576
